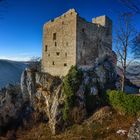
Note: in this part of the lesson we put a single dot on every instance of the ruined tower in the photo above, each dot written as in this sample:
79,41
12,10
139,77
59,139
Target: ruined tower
71,40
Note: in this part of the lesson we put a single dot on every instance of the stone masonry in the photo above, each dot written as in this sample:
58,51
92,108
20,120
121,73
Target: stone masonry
71,40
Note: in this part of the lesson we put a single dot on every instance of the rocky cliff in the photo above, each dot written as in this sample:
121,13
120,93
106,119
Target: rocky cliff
47,96
13,109
51,99
134,132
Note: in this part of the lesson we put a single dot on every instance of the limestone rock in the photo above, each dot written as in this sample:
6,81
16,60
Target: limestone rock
10,104
28,85
134,132
44,92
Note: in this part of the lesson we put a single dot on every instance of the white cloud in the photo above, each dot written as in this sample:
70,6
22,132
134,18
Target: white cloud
19,57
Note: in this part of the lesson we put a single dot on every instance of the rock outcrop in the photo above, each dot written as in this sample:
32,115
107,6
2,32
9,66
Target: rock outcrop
42,96
45,94
12,108
134,132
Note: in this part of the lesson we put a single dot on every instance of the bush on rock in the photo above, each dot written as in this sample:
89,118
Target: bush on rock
71,85
124,103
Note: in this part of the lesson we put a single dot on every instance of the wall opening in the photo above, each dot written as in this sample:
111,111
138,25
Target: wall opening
49,55
57,53
52,20
53,63
84,42
65,54
54,36
55,43
46,48
65,64
83,30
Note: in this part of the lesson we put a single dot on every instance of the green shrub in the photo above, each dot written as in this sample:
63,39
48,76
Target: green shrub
71,84
125,103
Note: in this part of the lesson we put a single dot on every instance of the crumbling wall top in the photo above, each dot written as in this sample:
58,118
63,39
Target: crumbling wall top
70,12
102,20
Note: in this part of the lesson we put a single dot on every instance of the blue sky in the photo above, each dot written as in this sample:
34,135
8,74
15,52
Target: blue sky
21,22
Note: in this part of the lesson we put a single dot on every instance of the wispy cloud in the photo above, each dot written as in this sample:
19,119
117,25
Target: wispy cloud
19,57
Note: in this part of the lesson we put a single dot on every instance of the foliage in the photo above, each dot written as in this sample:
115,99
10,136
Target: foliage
124,103
35,63
91,129
70,86
125,32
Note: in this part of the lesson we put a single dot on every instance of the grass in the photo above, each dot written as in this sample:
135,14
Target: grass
124,103
94,128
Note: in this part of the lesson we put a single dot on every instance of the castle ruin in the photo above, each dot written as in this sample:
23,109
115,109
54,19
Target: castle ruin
71,40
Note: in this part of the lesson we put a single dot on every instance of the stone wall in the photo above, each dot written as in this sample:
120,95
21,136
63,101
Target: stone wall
93,40
70,40
59,44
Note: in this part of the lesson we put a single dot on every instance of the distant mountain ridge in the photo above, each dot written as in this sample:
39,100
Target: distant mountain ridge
133,74
10,72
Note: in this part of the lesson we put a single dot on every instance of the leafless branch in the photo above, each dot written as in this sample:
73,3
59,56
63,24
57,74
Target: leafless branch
124,35
134,6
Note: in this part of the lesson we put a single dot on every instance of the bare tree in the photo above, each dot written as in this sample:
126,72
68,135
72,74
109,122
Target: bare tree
133,5
35,64
136,46
124,38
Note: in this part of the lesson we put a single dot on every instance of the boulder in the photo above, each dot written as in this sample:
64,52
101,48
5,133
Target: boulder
134,132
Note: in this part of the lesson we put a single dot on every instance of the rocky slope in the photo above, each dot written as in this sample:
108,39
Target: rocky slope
103,124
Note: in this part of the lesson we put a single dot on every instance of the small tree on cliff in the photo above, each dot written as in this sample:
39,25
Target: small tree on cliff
125,34
35,64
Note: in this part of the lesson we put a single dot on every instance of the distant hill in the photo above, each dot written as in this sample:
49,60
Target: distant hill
10,72
133,74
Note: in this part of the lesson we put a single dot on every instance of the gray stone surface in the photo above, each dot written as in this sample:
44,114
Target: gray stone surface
48,98
42,92
10,104
77,42
134,132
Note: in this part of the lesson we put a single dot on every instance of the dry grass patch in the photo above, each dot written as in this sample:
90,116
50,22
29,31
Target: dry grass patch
102,125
